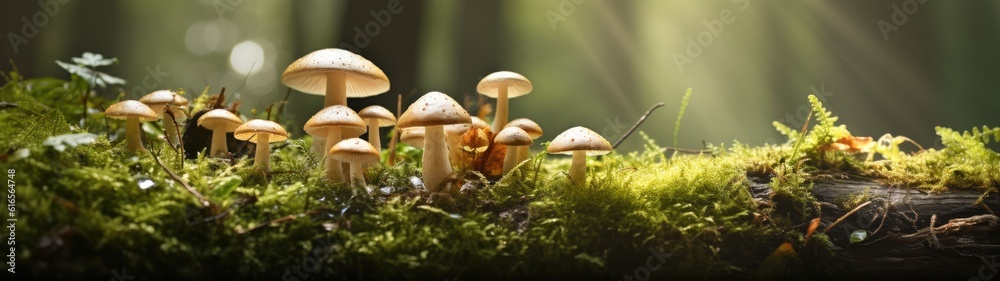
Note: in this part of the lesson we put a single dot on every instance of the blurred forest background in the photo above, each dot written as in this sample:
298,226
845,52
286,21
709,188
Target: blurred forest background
899,67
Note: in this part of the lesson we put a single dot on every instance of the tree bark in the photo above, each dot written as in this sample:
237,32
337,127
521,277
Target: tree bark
965,235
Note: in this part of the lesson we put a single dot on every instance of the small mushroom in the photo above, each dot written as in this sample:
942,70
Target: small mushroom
580,142
261,132
453,136
376,116
332,123
479,123
530,127
413,136
159,101
433,111
132,112
503,85
514,138
357,152
220,122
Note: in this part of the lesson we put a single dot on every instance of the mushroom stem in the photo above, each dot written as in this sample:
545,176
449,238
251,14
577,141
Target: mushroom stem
263,156
500,119
436,166
358,174
219,148
511,158
334,170
336,89
132,139
454,149
578,169
522,153
373,136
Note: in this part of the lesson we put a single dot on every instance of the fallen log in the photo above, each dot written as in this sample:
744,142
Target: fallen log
911,233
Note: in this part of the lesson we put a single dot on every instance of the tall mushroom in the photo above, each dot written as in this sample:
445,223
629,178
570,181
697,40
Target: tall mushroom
530,127
132,112
263,133
334,122
376,116
357,152
433,111
503,85
514,138
336,74
160,101
580,142
220,122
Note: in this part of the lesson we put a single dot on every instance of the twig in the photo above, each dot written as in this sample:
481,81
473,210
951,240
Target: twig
201,198
281,109
848,214
636,125
934,240
687,150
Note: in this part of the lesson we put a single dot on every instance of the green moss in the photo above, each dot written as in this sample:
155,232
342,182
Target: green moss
534,221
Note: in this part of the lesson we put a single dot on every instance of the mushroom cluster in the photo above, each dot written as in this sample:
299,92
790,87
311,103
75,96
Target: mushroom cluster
435,122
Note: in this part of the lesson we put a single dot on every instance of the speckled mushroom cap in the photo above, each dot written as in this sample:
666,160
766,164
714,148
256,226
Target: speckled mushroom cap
432,109
527,125
378,114
220,119
413,136
512,136
354,150
335,116
308,74
159,99
131,108
249,131
517,85
579,138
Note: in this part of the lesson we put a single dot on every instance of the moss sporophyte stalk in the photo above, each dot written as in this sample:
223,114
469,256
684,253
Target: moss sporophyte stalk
731,210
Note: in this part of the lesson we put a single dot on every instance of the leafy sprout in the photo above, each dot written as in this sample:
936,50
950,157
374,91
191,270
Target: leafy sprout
85,67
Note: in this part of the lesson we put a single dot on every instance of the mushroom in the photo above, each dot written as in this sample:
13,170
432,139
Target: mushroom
413,137
580,142
503,85
159,101
376,116
479,123
332,123
261,132
530,127
336,74
357,152
433,111
220,122
453,136
514,138
132,112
